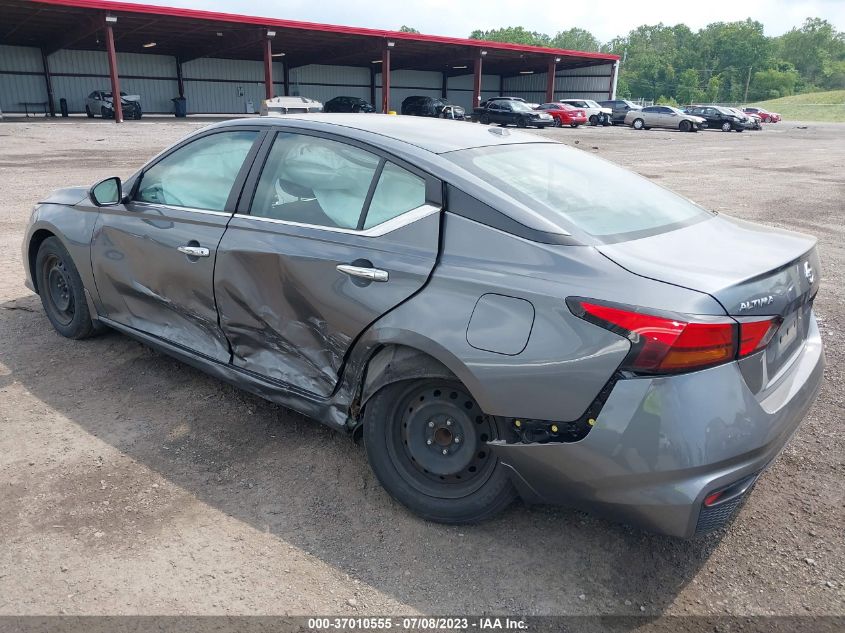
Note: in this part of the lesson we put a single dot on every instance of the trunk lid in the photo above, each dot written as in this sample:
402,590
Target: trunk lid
751,270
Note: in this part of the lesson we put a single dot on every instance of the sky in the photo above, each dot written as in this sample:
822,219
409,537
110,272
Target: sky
458,18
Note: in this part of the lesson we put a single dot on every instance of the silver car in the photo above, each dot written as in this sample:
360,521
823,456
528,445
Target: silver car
665,117
101,102
493,313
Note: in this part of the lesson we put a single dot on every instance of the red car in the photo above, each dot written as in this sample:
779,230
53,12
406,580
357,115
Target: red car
564,114
765,115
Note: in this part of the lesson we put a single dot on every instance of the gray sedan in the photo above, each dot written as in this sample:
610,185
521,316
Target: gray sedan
665,117
494,314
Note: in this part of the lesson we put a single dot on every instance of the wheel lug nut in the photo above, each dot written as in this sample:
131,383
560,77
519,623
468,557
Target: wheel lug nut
428,442
457,440
445,452
448,422
431,425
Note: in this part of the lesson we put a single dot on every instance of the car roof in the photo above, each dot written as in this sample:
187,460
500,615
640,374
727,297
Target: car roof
385,130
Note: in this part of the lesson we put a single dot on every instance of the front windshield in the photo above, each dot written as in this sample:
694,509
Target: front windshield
592,104
577,191
519,106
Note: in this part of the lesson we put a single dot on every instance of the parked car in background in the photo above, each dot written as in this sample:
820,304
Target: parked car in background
101,102
752,121
289,105
718,118
438,107
619,108
596,114
348,104
564,114
664,117
492,314
512,112
765,115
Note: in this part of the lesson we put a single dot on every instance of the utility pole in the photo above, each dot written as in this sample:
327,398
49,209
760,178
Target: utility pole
747,83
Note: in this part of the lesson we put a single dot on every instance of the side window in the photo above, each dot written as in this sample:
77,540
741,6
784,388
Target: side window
397,192
313,180
199,175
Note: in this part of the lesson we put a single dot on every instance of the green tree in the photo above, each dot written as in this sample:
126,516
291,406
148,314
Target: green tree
512,34
816,51
774,82
407,29
576,39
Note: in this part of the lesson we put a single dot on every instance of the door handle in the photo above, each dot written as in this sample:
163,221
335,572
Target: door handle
193,251
370,274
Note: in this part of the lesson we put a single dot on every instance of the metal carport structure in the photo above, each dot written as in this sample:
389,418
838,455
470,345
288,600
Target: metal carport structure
197,53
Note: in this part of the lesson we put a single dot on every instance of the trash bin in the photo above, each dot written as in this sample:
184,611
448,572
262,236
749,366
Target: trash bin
180,107
63,106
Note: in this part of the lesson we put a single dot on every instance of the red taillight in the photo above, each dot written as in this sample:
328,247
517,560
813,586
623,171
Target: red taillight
661,345
755,335
710,499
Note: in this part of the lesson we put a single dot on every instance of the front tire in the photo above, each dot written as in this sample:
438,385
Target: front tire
685,126
484,119
638,124
61,290
521,122
88,112
594,120
426,442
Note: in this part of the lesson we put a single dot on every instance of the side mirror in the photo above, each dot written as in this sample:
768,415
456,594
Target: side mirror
106,193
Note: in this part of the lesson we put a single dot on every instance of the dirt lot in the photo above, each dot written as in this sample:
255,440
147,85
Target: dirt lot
132,484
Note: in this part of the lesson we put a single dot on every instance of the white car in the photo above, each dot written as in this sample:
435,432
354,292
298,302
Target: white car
101,102
596,114
289,105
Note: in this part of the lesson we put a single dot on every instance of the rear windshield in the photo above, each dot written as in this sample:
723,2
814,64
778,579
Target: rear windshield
579,192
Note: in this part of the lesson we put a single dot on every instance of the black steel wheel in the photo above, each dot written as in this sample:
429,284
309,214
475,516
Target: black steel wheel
594,120
521,122
61,291
685,126
427,444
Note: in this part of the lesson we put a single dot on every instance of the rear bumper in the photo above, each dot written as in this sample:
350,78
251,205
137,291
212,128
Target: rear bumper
662,444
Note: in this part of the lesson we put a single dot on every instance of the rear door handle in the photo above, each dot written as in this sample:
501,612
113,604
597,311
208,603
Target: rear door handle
370,274
193,251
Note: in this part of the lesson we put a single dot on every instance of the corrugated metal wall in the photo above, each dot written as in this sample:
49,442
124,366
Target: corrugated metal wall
224,86
21,78
460,89
78,73
405,83
326,82
591,82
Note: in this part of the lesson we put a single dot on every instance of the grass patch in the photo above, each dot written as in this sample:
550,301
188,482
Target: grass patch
812,106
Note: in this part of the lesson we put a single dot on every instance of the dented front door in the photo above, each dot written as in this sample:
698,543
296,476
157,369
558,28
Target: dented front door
153,257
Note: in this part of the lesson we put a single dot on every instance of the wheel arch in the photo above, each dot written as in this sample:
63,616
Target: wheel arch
35,242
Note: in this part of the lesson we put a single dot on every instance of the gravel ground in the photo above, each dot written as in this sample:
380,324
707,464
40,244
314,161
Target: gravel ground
133,484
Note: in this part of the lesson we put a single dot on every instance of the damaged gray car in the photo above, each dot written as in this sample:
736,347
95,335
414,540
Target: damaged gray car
494,314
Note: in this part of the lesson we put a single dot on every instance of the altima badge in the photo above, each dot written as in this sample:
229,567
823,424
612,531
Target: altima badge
808,272
756,303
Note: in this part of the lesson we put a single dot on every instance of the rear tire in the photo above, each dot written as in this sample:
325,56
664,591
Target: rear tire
408,425
574,125
61,291
726,126
638,124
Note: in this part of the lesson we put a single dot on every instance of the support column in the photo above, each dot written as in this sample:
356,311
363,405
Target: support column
115,79
614,77
180,81
373,84
268,68
286,78
444,85
51,102
550,80
476,79
385,78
